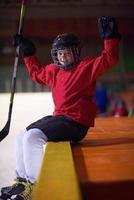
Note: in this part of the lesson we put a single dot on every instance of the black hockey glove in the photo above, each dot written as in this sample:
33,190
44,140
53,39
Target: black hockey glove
27,48
108,28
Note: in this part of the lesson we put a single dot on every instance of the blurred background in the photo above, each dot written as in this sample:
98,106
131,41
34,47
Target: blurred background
45,19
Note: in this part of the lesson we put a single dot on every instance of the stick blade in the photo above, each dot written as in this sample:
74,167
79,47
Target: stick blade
4,132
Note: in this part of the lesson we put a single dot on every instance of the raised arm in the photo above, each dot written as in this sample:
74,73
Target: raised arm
109,56
38,72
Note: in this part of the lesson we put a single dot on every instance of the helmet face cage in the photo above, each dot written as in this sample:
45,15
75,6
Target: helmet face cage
69,41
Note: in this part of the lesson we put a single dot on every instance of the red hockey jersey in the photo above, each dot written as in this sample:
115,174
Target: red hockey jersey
73,91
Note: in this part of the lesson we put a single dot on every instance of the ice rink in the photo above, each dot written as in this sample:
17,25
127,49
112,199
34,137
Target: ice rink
27,108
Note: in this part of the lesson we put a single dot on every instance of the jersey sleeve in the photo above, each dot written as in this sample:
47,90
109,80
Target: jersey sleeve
107,59
43,74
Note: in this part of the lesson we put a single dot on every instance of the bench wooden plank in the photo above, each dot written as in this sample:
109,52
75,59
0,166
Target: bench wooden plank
105,160
57,179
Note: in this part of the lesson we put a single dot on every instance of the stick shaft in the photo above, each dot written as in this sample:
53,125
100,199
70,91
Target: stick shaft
4,132
16,61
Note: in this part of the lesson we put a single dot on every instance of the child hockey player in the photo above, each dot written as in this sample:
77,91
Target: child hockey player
72,82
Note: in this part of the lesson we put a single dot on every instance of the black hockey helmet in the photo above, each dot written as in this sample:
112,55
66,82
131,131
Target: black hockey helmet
66,40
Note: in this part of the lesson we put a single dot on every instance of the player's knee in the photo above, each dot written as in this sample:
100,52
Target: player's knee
34,136
20,136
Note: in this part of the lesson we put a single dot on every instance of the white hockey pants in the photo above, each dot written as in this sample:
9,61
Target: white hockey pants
30,147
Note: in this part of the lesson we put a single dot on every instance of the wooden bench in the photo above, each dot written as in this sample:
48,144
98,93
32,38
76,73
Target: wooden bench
57,179
104,163
104,160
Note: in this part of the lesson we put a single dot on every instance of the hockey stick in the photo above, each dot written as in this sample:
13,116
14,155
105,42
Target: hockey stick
4,132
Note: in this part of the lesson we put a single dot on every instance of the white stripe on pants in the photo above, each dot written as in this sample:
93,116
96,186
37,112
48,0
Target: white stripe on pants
30,147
